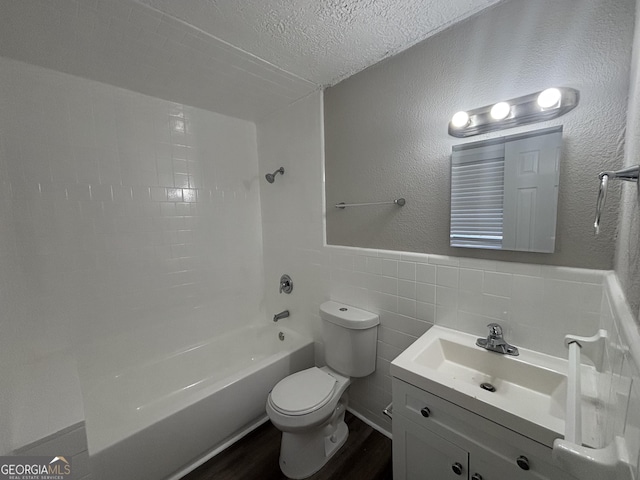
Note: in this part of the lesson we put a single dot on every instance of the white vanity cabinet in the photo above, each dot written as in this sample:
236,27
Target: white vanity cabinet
418,453
434,439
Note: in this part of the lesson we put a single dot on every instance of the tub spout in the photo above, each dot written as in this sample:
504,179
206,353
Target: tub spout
278,316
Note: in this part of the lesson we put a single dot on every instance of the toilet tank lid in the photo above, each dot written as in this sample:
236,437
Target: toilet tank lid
348,316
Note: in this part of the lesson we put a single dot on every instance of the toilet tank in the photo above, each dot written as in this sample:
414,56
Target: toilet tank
350,338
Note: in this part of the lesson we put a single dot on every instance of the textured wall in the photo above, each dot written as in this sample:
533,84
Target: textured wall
628,247
137,222
386,128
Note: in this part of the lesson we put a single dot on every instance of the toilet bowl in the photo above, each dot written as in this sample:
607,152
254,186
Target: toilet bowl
309,406
306,399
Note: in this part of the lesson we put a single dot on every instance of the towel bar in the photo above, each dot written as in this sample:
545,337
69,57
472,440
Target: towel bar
627,174
398,201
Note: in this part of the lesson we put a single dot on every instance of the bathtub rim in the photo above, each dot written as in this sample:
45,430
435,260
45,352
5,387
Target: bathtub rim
99,442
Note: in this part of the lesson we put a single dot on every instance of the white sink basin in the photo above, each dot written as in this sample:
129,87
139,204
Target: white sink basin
530,389
512,379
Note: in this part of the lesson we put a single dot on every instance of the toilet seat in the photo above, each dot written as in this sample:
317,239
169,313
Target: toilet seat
303,392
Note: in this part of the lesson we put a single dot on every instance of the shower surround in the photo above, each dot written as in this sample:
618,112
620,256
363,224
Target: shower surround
131,228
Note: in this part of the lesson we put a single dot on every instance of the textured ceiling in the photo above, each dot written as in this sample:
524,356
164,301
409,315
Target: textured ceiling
323,41
243,58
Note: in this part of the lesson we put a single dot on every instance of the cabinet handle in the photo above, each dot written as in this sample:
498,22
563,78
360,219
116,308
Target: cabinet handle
457,468
426,412
476,476
523,462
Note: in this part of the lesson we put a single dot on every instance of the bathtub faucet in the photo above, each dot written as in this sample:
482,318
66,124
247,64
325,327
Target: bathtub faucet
278,316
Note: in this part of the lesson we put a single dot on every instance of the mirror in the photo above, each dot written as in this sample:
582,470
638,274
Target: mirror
504,192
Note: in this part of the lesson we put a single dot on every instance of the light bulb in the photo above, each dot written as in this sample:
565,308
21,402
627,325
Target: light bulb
549,98
500,111
460,119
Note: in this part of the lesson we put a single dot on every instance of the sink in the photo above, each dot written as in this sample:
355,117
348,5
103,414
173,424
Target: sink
525,393
508,380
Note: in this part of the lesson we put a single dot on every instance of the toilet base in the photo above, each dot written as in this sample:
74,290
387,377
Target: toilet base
303,454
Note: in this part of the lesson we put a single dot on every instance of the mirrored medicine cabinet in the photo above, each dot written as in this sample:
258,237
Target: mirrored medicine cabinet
504,192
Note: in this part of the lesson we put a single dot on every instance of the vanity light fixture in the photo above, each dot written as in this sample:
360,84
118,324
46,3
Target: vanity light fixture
549,98
460,119
536,107
500,111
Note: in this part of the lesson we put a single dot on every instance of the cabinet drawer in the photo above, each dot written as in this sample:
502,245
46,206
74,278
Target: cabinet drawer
472,432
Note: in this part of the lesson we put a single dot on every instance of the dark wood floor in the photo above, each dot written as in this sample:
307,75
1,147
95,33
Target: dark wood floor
365,456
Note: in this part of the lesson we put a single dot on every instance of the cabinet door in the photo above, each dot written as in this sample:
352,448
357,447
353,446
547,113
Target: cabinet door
419,454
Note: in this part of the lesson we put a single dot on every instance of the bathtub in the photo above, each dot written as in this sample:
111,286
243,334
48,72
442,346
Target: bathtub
155,420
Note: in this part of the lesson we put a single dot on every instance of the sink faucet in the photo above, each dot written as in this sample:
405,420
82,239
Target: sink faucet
281,315
495,341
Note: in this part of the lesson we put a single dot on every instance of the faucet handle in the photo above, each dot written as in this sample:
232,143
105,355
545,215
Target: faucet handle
286,284
495,330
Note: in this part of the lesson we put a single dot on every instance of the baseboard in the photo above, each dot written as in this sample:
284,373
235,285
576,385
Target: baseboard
373,425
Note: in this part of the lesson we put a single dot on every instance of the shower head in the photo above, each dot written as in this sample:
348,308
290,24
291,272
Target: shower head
271,177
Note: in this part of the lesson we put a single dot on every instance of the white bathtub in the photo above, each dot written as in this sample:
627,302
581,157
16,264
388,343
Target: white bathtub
152,420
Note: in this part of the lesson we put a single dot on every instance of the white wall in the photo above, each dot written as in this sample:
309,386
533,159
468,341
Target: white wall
292,229
10,293
136,222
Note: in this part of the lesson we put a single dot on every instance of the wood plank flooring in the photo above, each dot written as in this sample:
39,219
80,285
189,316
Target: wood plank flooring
365,456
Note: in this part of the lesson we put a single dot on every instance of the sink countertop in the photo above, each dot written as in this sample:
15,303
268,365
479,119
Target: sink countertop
530,391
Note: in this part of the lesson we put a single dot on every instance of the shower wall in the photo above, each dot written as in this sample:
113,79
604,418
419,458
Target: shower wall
292,227
627,264
130,225
10,292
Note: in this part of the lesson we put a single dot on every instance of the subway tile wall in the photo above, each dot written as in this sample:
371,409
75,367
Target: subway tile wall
536,304
130,225
620,388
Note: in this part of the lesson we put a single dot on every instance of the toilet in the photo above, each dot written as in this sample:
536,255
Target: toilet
309,406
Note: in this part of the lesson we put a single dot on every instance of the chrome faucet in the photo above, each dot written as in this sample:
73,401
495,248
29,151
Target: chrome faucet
281,315
495,341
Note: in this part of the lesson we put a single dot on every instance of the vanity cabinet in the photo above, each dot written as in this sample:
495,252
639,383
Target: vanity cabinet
436,439
420,453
